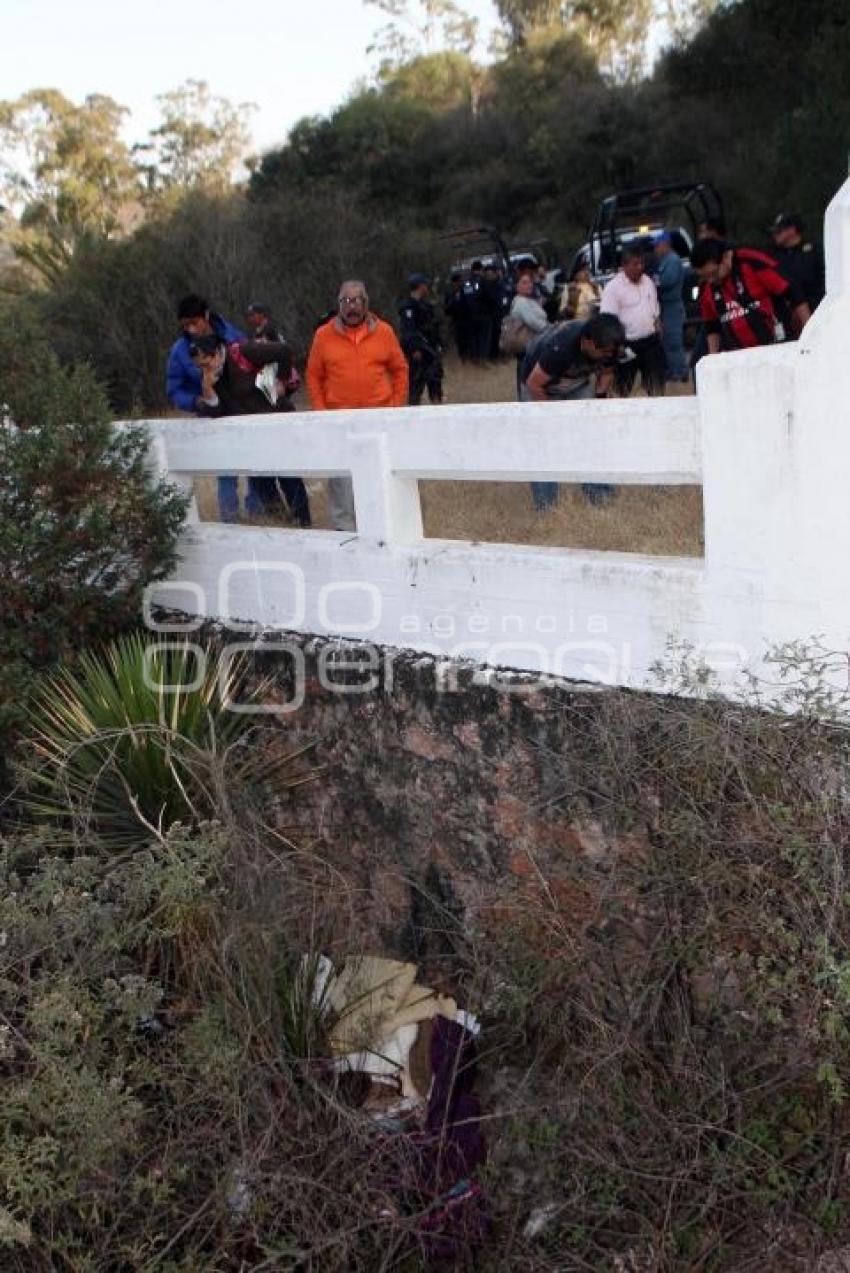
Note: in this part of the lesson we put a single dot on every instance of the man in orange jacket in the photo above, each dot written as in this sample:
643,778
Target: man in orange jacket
355,361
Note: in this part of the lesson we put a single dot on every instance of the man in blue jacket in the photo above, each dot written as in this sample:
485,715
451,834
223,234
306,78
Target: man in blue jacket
183,377
670,280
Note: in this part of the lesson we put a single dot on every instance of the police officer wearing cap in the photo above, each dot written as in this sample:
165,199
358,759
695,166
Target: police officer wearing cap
478,312
420,339
800,262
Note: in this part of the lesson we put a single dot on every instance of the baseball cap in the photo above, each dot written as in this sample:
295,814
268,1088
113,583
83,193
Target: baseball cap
416,280
257,307
787,221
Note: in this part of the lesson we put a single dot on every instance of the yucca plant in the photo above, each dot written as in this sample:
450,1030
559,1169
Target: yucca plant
306,1012
140,736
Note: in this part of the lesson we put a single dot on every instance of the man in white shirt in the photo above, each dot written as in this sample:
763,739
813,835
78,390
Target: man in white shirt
632,296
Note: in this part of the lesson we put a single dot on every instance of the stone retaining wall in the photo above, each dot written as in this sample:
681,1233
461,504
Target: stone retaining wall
441,793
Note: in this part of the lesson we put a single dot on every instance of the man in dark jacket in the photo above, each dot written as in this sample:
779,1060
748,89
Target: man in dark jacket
182,378
419,336
478,313
455,309
569,362
228,375
800,262
494,300
262,326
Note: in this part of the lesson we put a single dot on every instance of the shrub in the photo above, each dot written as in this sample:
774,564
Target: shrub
83,526
141,736
677,1011
152,1112
665,1065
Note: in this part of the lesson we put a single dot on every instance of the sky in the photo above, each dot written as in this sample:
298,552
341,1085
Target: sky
298,58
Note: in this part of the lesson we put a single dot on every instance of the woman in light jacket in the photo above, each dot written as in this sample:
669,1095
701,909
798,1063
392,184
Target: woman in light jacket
529,312
580,298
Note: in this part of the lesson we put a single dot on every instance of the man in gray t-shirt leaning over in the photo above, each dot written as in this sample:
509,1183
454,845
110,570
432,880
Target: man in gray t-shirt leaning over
571,361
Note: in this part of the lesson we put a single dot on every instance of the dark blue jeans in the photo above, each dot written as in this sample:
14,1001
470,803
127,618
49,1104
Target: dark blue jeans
546,494
482,338
264,497
673,327
228,499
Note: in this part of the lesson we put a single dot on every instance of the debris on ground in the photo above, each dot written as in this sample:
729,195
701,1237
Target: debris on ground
418,1051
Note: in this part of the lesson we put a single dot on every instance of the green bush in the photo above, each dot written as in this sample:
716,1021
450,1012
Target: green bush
83,525
140,736
152,1112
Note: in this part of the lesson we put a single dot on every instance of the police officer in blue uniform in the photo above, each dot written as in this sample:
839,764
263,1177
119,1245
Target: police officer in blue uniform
419,335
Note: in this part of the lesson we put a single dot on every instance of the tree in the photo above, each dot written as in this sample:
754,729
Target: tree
440,81
603,22
616,30
521,17
201,140
683,18
421,27
83,526
66,173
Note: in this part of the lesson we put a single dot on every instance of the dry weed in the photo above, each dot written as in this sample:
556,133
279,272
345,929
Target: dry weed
655,520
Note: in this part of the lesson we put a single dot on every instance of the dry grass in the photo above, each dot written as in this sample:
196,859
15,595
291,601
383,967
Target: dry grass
663,1066
656,520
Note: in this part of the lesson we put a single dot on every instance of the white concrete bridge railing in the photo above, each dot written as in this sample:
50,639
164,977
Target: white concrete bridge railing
767,438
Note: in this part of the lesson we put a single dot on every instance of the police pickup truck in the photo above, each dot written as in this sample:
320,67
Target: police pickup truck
635,218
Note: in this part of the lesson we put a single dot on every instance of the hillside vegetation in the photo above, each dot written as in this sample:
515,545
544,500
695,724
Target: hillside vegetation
530,143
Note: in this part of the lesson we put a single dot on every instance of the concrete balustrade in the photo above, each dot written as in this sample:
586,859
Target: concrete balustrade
767,437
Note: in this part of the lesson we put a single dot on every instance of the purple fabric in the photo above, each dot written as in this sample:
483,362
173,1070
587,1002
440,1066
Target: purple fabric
452,1124
435,1174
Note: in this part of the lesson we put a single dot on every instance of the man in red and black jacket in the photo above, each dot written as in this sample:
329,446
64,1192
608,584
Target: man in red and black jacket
740,287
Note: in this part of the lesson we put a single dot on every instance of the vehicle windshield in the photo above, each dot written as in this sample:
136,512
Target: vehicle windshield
648,211
638,217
